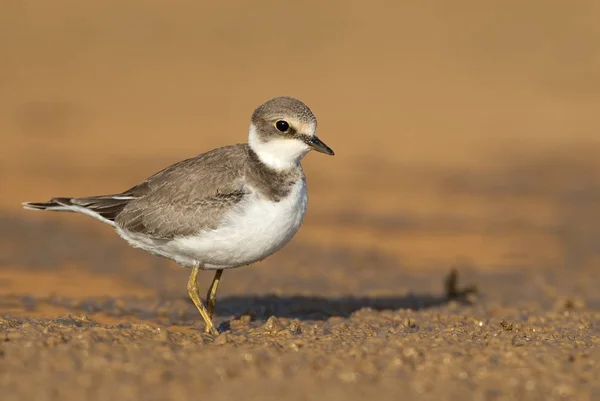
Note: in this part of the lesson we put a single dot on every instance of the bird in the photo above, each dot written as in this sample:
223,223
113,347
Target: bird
228,207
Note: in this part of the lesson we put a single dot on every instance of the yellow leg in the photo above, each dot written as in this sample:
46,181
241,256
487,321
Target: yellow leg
192,288
211,297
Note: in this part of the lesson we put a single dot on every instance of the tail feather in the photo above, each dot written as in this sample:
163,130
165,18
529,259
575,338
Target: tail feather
104,208
58,204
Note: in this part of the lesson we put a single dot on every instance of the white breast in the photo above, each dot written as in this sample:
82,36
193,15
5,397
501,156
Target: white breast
255,229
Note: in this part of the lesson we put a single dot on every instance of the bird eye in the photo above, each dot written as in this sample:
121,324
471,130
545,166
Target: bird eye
282,126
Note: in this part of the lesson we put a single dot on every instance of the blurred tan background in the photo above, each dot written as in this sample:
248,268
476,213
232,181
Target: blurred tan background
466,135
464,131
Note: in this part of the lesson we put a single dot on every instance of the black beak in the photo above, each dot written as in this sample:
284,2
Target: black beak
318,145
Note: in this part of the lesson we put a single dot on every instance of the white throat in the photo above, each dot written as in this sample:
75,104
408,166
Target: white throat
279,154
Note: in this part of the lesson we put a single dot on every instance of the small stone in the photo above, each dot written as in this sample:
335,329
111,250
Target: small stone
519,340
241,322
295,327
563,390
348,377
410,353
222,339
245,319
273,325
163,334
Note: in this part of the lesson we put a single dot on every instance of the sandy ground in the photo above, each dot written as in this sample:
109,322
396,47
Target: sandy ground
466,139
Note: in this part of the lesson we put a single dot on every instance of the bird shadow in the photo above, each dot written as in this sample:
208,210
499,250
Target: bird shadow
323,308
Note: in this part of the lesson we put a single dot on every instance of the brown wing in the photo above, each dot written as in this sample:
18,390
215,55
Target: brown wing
188,196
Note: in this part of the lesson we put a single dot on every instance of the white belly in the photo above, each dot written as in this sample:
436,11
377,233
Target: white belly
254,230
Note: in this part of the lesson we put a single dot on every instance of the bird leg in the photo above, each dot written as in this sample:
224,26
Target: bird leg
193,292
211,296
